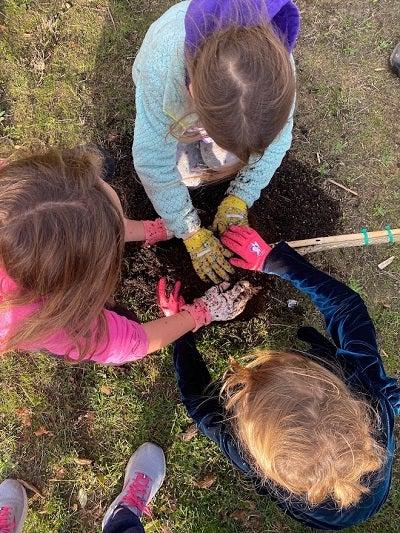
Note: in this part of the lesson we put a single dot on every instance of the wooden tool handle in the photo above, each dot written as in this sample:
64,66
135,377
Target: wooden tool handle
320,244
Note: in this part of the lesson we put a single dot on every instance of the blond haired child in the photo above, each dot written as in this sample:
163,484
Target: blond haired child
313,431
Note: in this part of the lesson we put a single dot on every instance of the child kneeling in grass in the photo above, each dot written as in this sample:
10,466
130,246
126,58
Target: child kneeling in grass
62,234
313,431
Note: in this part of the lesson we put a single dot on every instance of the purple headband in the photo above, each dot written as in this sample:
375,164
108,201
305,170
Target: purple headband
204,17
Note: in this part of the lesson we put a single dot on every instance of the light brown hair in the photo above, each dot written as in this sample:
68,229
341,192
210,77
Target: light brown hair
302,428
243,87
61,241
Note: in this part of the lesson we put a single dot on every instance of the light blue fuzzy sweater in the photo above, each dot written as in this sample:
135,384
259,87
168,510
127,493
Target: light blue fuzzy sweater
161,99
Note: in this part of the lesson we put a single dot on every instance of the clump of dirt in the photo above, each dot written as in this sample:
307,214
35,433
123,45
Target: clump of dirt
295,205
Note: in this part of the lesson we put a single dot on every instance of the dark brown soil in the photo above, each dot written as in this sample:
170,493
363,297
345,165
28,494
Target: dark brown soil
294,206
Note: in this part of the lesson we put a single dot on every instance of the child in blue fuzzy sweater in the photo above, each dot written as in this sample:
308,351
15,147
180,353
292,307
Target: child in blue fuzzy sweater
215,93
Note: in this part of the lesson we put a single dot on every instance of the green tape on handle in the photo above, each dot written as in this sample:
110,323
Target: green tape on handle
364,233
391,238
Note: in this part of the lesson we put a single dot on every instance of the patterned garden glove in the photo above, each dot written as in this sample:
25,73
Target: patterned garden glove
208,256
155,231
247,244
220,303
169,304
232,211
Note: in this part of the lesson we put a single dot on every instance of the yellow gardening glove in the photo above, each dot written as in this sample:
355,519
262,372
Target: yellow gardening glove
231,212
208,256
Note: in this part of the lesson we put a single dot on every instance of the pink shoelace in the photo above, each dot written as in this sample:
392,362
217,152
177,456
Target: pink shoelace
137,492
7,521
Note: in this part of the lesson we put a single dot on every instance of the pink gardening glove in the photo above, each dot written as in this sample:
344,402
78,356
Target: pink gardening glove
169,305
247,244
155,231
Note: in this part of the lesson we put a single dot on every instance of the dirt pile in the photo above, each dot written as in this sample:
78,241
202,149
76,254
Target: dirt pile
294,206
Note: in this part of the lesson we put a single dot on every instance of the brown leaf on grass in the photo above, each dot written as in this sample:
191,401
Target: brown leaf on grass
206,482
249,519
82,497
31,487
189,433
42,431
83,462
24,415
59,473
105,389
240,516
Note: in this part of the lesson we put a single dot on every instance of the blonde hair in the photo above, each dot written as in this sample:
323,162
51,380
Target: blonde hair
302,428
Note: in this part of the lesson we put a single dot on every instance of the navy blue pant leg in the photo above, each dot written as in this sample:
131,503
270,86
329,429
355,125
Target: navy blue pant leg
124,521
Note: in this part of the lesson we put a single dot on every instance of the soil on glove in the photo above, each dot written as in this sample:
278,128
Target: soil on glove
294,206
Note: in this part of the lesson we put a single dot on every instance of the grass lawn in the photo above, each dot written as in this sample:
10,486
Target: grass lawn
69,430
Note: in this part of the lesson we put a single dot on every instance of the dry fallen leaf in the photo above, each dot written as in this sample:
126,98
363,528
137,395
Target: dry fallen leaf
105,389
83,462
40,432
82,497
24,416
189,433
206,482
240,516
59,473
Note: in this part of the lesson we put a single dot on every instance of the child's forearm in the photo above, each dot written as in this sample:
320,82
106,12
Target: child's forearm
165,330
134,230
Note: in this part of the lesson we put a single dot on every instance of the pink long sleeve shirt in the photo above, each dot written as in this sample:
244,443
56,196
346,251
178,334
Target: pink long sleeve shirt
126,340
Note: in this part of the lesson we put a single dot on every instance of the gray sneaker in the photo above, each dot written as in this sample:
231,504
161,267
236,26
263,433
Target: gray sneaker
144,476
395,60
13,506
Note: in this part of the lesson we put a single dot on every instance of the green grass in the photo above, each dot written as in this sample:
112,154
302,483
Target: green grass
65,79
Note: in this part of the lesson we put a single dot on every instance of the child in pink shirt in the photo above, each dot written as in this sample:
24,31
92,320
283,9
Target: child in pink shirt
62,232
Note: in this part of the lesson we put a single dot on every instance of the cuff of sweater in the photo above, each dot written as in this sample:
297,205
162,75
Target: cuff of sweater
198,310
187,227
236,190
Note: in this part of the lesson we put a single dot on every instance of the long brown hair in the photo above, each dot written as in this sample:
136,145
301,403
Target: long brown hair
61,241
243,87
302,428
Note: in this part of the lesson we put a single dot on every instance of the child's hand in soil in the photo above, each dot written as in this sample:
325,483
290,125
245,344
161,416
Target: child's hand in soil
247,244
220,303
155,231
208,256
149,231
231,212
169,304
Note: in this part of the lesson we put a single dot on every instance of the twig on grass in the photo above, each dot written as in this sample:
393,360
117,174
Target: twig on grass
111,17
31,487
354,193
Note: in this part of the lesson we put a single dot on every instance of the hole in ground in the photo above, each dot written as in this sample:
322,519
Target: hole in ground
294,206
